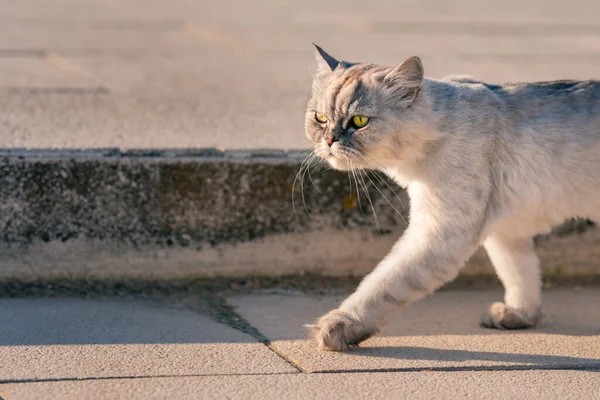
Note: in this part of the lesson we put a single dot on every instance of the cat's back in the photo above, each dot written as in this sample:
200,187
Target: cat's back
579,96
546,102
559,106
567,108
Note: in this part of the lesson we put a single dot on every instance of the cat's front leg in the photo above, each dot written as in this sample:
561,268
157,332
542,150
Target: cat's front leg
431,252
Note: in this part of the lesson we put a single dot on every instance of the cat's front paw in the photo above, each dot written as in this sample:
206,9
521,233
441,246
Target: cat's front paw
501,316
336,331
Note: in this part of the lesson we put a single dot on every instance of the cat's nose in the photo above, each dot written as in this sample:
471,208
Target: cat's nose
331,140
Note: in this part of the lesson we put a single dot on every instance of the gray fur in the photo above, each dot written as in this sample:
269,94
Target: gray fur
483,164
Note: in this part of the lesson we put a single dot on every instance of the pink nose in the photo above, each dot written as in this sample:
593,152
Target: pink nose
330,140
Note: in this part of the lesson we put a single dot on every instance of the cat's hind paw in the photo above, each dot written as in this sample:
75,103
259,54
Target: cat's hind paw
501,316
337,331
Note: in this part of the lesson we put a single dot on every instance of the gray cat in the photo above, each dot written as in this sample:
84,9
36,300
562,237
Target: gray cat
482,164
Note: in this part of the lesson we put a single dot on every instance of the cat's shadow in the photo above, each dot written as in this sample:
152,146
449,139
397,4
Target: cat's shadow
498,361
472,327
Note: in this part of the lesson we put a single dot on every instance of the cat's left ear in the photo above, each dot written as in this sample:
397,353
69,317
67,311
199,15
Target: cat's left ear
325,63
406,79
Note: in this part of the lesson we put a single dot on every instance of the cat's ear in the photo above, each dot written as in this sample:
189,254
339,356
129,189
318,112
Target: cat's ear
406,79
325,63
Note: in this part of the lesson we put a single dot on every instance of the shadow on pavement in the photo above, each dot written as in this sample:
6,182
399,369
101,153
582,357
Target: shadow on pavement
28,322
532,361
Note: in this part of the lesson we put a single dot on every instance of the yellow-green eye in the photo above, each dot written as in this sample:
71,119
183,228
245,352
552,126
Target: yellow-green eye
360,120
320,117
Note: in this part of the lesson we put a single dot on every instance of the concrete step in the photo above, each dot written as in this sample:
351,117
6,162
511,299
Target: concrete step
164,213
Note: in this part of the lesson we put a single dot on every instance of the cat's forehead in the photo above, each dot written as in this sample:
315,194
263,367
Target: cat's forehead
368,74
345,86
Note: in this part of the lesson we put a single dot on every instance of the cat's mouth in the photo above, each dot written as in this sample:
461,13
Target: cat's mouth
342,158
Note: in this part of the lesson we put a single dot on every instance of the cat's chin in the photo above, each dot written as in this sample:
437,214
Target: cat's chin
340,165
339,161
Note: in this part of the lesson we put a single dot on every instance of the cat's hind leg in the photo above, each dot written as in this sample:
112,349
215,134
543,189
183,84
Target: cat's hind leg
518,268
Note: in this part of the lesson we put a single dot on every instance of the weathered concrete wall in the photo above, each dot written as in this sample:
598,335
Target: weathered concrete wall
106,213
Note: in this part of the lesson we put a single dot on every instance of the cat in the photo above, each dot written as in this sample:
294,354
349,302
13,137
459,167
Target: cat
483,164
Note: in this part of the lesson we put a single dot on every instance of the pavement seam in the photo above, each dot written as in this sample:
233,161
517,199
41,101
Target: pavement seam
234,320
365,371
211,36
244,326
291,362
102,378
67,66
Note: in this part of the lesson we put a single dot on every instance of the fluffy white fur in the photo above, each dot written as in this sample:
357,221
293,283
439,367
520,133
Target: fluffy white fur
483,164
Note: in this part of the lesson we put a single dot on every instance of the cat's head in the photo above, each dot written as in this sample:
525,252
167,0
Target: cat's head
365,115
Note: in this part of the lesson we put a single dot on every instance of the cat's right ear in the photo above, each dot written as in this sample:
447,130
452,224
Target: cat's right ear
406,79
325,63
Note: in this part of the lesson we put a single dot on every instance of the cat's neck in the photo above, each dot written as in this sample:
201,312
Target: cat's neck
432,106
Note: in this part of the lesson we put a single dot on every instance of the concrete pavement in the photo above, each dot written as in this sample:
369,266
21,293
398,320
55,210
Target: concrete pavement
441,332
235,74
57,339
425,385
76,349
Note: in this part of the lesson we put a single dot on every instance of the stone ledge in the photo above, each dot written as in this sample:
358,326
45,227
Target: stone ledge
107,213
209,153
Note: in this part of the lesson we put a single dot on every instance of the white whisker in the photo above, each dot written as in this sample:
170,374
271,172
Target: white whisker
386,199
316,164
356,182
364,185
356,154
384,181
301,176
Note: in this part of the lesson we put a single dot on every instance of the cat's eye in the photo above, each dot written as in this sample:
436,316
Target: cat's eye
320,117
360,121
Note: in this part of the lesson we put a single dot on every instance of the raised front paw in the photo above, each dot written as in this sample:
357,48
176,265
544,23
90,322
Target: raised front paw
501,316
336,331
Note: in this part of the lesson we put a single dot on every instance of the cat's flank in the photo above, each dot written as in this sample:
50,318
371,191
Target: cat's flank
483,164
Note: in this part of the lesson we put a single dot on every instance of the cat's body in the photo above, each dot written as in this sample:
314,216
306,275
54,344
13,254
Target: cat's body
483,165
540,143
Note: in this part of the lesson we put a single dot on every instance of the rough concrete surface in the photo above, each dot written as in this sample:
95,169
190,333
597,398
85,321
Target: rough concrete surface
203,212
426,385
188,213
138,349
48,339
441,332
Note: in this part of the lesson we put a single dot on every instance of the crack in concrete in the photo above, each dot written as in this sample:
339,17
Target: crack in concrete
291,362
103,378
357,371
